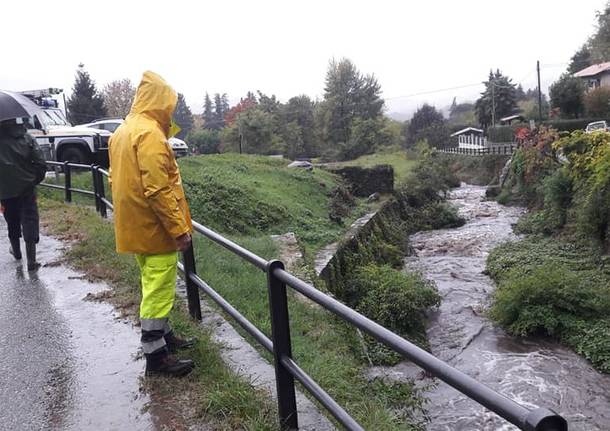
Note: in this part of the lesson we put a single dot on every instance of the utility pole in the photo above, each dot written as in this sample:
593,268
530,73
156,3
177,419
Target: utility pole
539,92
493,103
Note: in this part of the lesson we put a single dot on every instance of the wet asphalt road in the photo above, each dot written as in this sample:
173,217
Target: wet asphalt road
65,363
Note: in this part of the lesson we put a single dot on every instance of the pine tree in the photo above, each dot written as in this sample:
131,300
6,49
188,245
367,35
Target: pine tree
208,113
183,116
86,103
499,97
219,112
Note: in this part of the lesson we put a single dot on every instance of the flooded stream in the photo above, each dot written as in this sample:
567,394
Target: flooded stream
533,372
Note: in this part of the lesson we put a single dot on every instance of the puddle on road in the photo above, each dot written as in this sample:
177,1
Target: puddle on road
533,372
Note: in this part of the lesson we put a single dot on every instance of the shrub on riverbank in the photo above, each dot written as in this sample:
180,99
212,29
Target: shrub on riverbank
553,287
359,272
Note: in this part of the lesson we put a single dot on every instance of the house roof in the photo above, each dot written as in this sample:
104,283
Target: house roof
512,117
593,70
467,130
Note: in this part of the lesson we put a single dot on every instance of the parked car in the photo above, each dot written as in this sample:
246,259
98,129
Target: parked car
60,141
596,126
109,125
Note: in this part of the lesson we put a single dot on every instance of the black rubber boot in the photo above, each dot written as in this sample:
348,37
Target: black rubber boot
15,248
30,252
175,343
163,364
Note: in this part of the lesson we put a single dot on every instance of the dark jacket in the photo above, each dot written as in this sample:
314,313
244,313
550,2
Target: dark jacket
22,165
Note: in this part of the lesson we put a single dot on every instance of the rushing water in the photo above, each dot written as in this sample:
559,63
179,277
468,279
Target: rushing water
533,372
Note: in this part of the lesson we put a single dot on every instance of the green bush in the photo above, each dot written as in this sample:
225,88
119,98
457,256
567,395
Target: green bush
548,299
554,287
397,300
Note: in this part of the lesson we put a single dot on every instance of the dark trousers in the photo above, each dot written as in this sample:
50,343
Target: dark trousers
21,215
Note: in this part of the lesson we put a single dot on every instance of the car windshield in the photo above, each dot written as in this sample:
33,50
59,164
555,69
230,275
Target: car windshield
53,118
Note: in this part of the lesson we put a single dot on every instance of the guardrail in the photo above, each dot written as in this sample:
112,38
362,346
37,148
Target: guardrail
286,368
499,150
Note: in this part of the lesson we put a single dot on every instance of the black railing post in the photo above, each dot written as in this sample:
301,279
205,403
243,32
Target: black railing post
192,292
68,182
95,187
280,335
102,193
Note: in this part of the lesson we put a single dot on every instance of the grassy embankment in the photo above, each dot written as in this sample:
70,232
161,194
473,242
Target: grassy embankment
402,164
556,281
248,198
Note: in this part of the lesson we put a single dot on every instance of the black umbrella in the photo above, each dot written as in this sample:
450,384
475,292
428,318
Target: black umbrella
15,105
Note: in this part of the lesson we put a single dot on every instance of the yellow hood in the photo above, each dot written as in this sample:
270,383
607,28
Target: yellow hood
156,99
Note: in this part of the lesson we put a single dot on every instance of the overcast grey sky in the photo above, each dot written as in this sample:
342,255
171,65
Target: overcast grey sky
283,47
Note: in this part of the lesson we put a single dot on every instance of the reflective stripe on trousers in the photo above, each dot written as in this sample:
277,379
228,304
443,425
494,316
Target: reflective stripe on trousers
158,279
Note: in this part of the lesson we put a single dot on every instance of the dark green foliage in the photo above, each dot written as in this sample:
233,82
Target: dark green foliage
183,117
205,141
428,125
571,124
298,117
498,100
597,102
341,203
208,114
349,96
380,245
398,299
554,287
85,104
567,94
580,60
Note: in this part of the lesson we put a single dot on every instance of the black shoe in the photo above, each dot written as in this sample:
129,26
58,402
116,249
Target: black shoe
175,343
30,252
15,248
163,364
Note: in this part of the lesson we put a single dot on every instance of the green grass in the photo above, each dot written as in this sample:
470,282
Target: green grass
217,395
326,348
397,159
247,194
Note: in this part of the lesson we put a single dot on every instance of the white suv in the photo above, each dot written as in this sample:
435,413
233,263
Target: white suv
109,125
597,126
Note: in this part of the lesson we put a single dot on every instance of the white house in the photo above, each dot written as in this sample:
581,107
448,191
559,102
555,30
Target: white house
597,75
471,138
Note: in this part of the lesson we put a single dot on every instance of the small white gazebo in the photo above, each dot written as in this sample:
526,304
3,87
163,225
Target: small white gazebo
470,137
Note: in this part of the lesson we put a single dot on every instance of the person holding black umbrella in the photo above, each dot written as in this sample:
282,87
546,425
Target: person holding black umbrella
22,167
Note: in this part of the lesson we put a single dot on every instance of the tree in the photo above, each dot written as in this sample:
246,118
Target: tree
597,102
208,114
221,107
86,103
257,131
347,95
118,97
580,60
205,141
567,94
462,114
183,117
427,124
242,106
297,116
498,100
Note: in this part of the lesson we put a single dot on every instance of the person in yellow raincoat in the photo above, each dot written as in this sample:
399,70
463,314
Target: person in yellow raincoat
151,216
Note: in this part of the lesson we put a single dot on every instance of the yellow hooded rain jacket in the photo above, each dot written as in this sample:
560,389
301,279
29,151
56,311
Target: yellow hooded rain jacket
150,210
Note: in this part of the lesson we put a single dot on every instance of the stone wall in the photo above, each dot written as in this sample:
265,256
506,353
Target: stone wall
366,181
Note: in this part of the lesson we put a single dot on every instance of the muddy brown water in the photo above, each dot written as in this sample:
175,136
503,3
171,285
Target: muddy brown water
534,372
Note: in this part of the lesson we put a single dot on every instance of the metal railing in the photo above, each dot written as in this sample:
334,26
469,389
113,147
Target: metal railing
499,150
287,369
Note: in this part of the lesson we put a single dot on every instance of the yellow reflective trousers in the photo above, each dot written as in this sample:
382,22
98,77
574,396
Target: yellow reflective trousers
158,278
